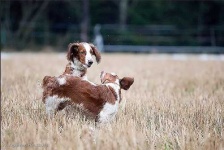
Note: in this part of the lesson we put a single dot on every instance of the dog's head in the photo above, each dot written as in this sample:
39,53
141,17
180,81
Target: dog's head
124,83
82,52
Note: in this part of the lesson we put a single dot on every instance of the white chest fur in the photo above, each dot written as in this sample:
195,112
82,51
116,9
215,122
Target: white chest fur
110,110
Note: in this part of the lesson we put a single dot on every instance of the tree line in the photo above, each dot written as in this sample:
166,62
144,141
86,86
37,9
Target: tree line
19,19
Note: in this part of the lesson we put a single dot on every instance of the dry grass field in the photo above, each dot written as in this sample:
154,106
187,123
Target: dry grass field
171,105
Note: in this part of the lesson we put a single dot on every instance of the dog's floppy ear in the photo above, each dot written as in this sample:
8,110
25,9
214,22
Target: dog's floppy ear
72,51
95,52
126,82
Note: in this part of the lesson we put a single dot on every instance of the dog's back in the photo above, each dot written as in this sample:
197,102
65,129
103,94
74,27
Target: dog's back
74,90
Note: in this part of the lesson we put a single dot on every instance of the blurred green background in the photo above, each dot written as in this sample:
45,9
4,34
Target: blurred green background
36,24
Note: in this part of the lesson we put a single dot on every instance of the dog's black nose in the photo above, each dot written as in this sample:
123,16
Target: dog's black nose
90,62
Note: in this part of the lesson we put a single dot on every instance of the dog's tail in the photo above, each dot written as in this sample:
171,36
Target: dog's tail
46,80
48,84
49,81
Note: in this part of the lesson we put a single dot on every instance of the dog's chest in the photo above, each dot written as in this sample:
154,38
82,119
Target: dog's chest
108,112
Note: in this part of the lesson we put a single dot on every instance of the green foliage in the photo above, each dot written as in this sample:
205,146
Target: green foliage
28,23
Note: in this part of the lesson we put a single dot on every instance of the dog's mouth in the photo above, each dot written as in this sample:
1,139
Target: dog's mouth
86,66
89,66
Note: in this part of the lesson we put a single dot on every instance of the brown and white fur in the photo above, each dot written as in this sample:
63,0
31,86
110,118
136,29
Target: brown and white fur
99,101
80,58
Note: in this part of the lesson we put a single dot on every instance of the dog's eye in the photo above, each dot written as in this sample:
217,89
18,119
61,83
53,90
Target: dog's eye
82,52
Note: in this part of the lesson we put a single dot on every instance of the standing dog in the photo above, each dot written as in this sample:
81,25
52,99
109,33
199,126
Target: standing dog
98,101
80,57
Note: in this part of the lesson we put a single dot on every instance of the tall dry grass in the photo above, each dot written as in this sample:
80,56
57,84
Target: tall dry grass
171,105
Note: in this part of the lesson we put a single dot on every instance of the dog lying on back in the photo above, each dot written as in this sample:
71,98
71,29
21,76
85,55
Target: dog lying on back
99,101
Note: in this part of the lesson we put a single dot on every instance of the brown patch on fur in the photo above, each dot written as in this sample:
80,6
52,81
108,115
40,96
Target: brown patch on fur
76,50
72,51
68,69
81,53
95,52
126,82
115,95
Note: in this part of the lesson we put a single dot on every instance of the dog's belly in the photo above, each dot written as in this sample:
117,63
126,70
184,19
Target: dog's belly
74,109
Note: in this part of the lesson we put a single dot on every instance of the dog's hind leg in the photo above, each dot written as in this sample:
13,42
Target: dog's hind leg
54,104
63,104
